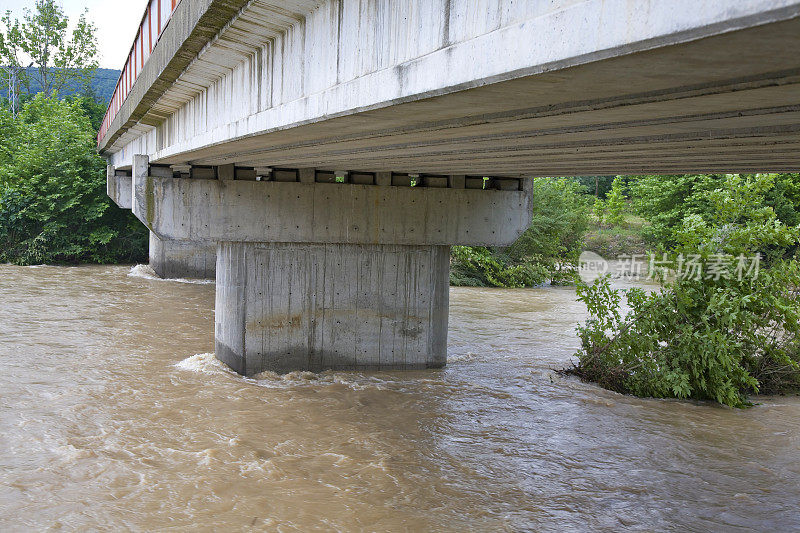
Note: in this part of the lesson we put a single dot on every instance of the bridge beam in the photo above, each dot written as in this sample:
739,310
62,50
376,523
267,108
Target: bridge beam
172,259
119,187
330,269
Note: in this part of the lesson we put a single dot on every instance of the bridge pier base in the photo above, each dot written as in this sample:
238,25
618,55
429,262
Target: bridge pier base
302,306
182,259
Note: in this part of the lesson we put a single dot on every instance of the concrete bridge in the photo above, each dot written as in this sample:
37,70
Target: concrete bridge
323,155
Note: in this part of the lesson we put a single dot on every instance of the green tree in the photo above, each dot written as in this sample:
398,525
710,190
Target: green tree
598,186
784,198
41,40
53,206
559,222
616,203
92,105
600,210
664,201
721,332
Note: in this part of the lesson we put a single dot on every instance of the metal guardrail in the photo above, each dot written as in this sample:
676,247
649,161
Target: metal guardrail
153,22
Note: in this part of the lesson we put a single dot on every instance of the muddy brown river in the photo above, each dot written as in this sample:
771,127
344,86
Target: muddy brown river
115,416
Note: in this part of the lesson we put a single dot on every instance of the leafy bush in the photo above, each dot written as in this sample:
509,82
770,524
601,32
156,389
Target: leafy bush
599,210
53,203
559,222
784,198
479,267
665,201
718,335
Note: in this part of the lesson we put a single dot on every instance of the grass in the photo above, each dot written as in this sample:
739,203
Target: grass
613,241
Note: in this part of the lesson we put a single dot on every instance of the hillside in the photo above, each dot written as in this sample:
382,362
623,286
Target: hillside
103,84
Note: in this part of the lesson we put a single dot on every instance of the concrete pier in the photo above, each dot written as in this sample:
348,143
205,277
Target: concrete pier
297,306
182,259
314,273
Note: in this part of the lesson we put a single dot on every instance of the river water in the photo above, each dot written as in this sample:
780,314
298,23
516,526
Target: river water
114,415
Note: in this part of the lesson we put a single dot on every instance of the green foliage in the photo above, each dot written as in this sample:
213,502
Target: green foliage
479,267
53,203
665,201
41,39
716,336
92,106
559,222
784,198
616,204
600,210
598,186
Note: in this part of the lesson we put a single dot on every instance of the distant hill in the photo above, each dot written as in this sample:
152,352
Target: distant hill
103,84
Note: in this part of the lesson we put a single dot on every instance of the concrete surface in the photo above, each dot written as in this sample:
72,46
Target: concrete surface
218,210
172,259
288,306
119,187
488,88
313,274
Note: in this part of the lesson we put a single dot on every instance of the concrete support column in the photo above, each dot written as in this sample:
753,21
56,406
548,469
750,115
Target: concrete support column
182,259
306,306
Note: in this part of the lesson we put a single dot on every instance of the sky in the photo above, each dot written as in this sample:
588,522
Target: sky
116,21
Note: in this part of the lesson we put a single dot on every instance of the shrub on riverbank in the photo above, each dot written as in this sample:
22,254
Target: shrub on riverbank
53,203
726,327
476,266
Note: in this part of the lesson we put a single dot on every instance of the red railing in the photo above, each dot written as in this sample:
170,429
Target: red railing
154,21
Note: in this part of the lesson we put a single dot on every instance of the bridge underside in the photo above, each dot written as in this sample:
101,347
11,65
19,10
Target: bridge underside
727,103
333,155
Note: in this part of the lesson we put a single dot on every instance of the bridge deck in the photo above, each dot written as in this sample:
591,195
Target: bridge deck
586,87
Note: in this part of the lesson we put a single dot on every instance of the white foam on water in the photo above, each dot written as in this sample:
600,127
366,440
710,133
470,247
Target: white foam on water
207,363
145,272
203,363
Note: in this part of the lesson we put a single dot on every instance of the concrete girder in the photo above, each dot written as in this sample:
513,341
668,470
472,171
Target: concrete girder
119,187
316,94
275,211
172,259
